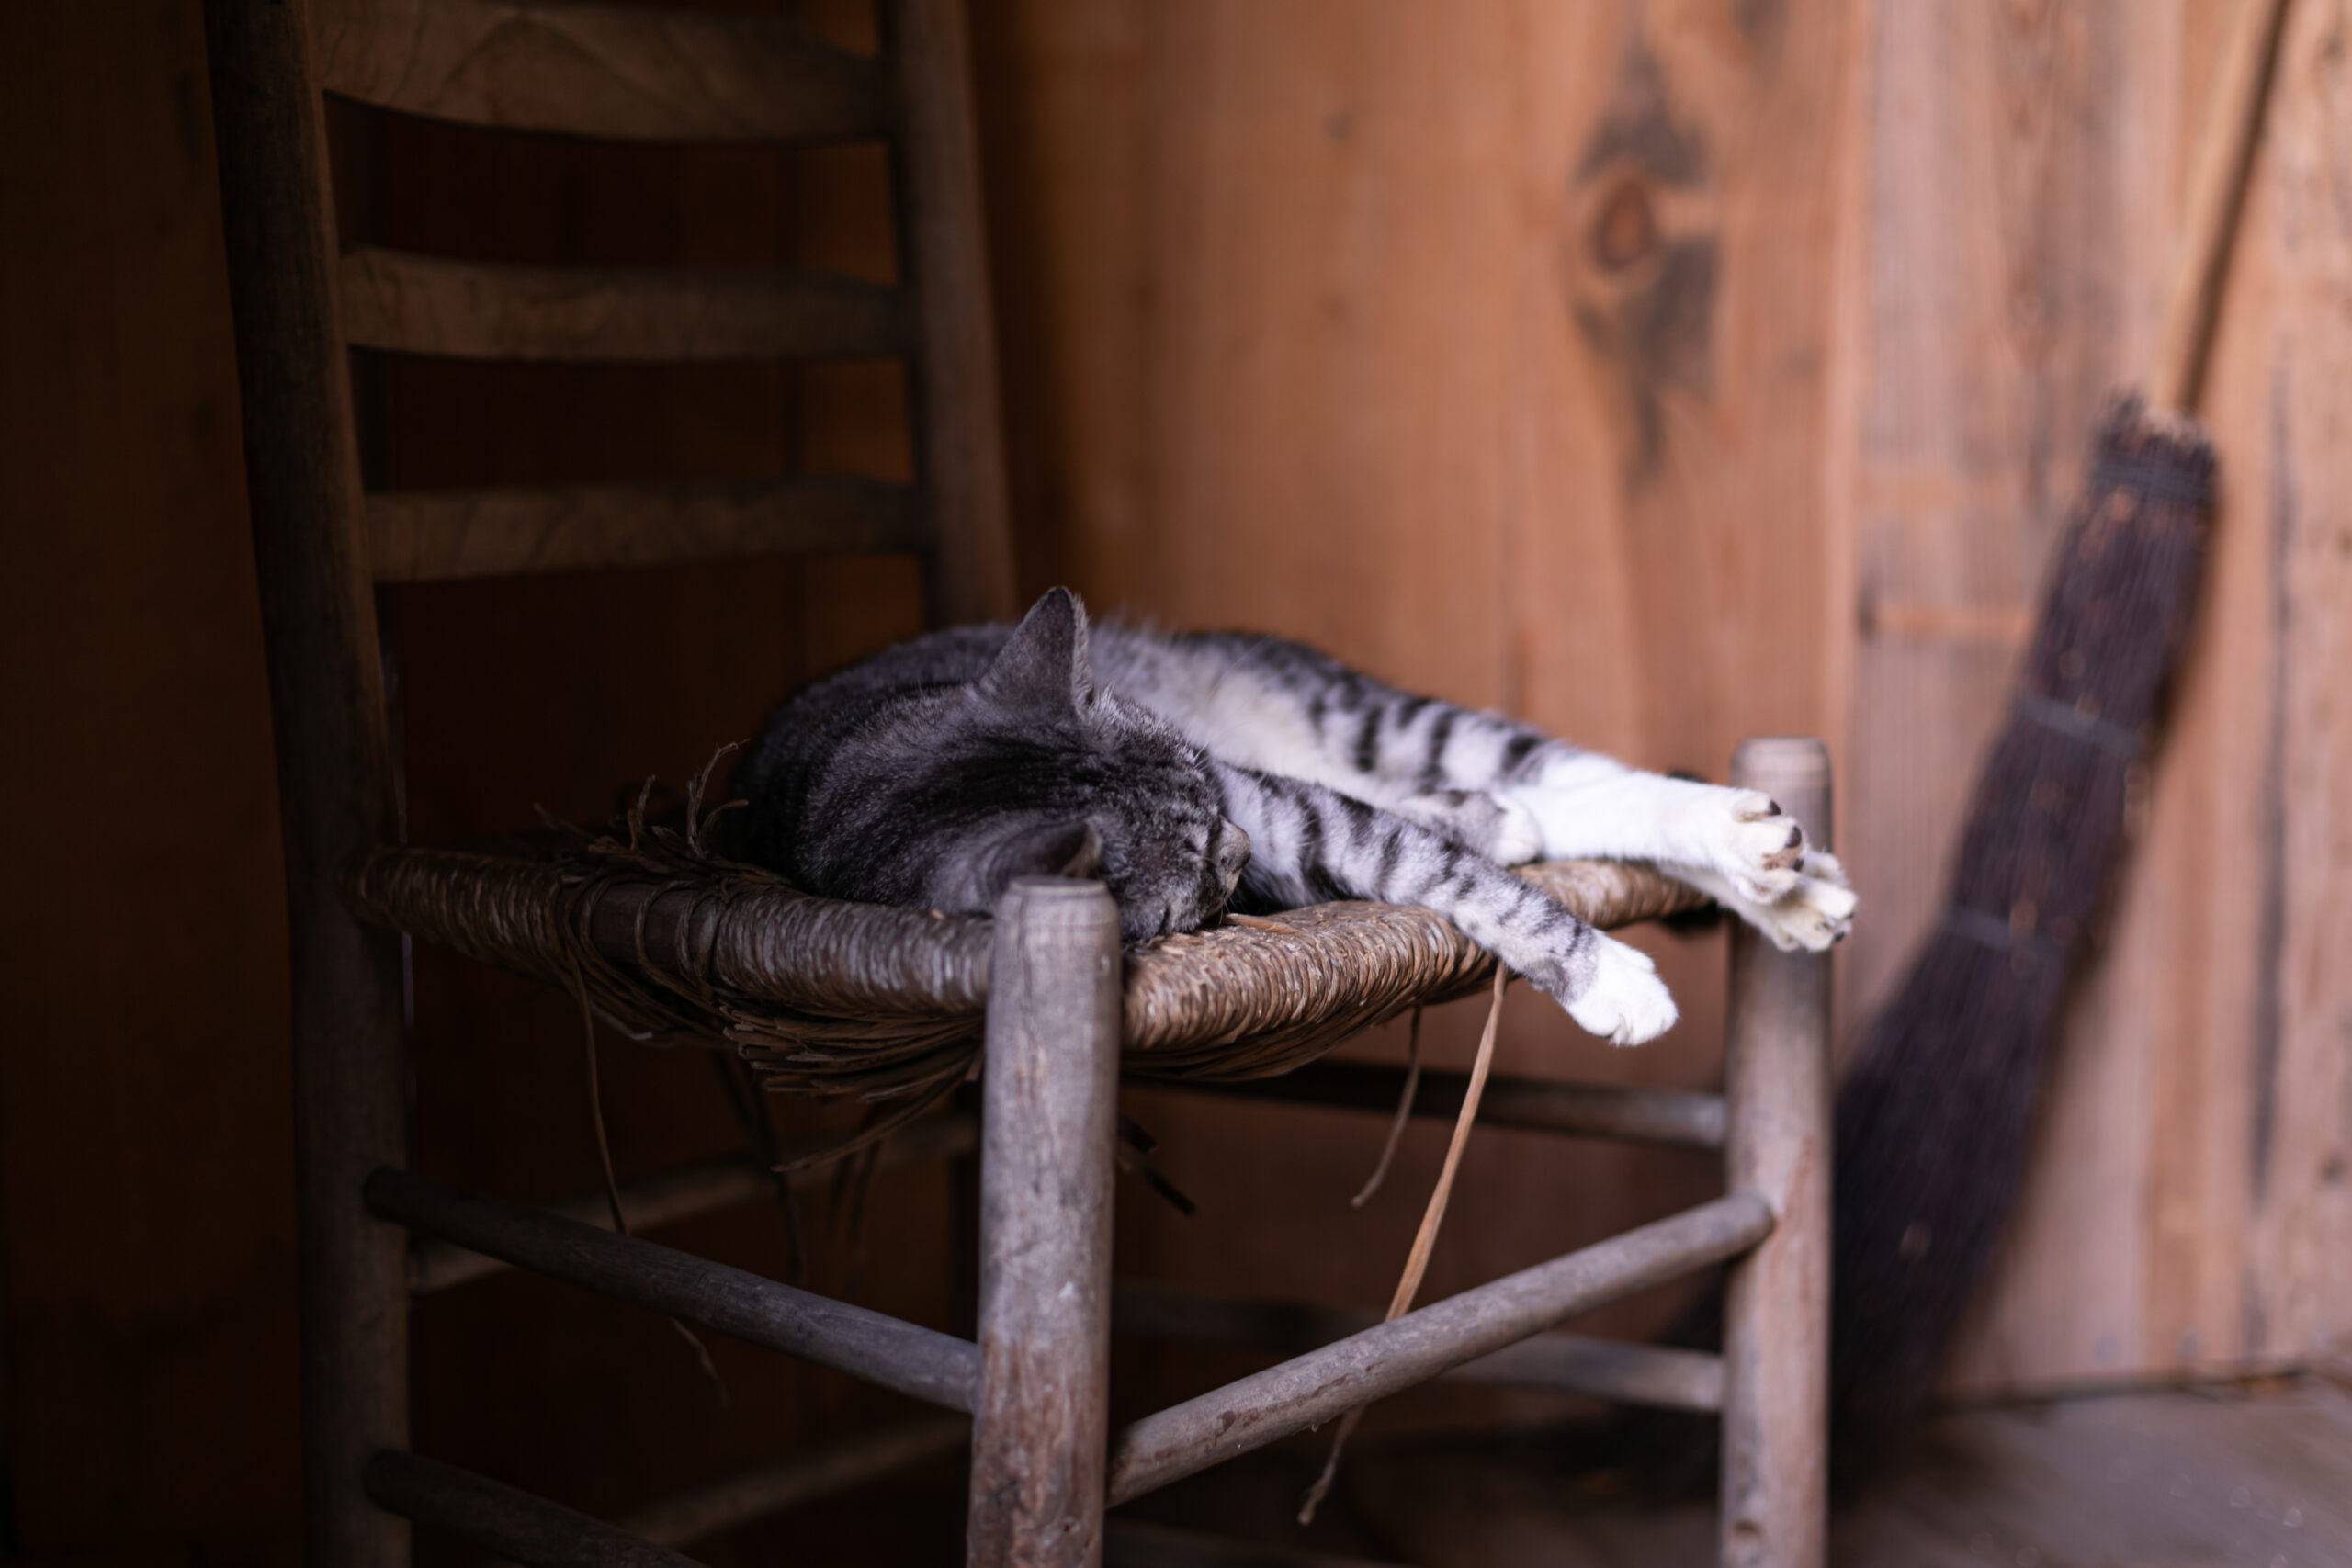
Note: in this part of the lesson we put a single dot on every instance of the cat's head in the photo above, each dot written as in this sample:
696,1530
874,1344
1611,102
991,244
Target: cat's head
1049,775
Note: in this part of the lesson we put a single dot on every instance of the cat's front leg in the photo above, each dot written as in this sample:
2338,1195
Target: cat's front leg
1737,845
1309,843
1590,806
1813,916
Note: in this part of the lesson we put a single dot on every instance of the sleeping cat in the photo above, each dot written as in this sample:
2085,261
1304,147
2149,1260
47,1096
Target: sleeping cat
1203,773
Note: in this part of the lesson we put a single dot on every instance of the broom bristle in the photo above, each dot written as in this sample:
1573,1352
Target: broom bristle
1933,1122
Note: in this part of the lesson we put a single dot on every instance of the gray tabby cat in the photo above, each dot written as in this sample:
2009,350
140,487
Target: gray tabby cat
1199,773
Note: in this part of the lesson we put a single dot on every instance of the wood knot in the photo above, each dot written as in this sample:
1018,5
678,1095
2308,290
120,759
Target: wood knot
1625,227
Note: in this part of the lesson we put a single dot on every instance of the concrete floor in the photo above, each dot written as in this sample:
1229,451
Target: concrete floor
2256,1475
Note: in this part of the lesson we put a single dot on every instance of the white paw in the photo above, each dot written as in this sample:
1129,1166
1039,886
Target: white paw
1756,847
1517,837
1813,914
1626,1004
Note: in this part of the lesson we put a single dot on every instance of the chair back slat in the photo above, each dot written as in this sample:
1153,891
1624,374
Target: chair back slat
420,304
616,72
420,535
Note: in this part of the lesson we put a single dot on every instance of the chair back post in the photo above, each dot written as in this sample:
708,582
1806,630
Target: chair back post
333,760
957,416
1776,1317
1049,1098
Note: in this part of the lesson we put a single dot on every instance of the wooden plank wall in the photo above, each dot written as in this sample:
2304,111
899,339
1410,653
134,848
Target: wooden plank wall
2004,295
1672,369
146,1198
1487,347
2186,1205
2289,361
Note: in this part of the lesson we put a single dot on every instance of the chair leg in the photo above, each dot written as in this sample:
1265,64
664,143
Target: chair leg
333,763
1048,1118
1776,1315
348,1110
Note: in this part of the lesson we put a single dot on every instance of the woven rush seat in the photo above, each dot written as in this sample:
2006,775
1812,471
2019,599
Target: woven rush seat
672,942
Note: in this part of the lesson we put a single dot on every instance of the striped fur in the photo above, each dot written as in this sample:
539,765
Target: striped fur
1196,771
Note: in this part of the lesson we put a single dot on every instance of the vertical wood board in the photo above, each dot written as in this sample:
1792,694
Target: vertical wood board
2184,1207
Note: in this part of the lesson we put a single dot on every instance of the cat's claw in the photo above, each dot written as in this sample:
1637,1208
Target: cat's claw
1627,1003
1813,914
1754,846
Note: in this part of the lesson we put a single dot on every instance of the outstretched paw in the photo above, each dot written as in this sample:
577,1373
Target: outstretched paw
1754,846
1627,1003
1813,915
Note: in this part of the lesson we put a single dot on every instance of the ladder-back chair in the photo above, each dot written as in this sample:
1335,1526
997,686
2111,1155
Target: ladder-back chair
692,945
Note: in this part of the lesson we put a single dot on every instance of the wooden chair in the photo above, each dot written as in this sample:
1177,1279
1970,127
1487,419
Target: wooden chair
715,945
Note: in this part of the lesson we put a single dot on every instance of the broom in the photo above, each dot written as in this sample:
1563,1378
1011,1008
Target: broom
1933,1120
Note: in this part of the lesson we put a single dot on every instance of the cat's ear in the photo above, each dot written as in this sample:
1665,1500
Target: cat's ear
1055,849
1042,667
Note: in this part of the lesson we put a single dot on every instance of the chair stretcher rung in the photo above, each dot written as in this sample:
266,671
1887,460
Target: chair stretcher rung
435,1264
497,1517
683,1194
1324,1383
1559,1363
1679,1117
917,1361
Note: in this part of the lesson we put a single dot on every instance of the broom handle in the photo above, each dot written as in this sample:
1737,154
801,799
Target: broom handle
2216,190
